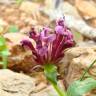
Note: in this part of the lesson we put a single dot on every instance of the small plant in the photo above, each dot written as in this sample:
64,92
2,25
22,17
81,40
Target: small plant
48,52
4,52
49,49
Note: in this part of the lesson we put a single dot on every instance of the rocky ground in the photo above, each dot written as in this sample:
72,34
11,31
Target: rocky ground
81,22
76,59
18,84
20,16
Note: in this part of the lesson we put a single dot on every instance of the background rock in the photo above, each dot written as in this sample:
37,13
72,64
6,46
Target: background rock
78,59
16,84
20,59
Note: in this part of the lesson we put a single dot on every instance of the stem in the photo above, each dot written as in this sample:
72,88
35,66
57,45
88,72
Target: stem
58,90
50,71
87,70
4,62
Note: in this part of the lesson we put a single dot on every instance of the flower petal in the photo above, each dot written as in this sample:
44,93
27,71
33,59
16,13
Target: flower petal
32,34
45,32
42,51
28,44
49,39
59,30
38,44
61,22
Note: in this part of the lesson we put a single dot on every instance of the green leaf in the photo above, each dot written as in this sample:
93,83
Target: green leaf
5,58
2,43
78,88
13,29
5,52
51,73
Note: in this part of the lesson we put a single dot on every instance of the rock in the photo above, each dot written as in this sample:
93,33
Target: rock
73,19
15,38
18,84
32,8
20,59
66,7
7,1
69,9
89,43
15,84
86,30
77,60
22,16
3,23
89,11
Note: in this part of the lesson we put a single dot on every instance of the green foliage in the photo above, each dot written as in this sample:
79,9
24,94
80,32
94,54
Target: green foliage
18,2
78,88
13,29
4,52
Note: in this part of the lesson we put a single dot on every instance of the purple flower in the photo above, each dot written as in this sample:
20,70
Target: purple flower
42,51
50,45
59,30
46,36
32,34
28,44
61,22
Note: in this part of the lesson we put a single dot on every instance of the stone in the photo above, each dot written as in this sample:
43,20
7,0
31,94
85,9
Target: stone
89,11
3,23
32,8
19,59
77,59
15,39
15,84
18,84
72,17
88,43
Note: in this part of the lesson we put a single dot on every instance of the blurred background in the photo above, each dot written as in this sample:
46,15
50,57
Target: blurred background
21,15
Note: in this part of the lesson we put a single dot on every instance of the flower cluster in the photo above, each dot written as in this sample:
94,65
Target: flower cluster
50,45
